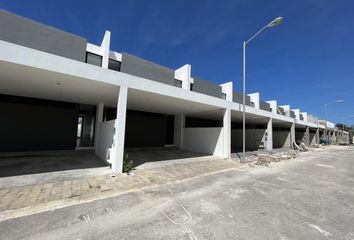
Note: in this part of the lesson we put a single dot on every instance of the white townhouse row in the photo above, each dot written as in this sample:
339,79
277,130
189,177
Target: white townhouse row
59,92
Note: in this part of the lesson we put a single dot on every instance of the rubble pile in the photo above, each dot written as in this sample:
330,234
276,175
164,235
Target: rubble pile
318,145
301,147
264,159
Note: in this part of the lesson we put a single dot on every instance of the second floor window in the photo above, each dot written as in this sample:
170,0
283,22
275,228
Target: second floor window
178,83
114,65
93,59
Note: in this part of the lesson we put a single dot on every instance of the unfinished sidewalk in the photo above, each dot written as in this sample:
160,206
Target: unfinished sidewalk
29,199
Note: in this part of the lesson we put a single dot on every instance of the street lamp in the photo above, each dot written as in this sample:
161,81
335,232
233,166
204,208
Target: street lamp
326,106
273,23
326,112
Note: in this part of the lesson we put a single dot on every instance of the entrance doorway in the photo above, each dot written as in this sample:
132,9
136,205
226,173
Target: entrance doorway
86,126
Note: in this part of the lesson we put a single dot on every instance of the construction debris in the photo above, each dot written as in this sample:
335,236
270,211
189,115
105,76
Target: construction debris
318,145
301,147
264,159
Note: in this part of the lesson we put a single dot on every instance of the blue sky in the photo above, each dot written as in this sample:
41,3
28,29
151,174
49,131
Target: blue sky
305,62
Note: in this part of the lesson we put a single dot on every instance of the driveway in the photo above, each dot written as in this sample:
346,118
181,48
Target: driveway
24,168
310,197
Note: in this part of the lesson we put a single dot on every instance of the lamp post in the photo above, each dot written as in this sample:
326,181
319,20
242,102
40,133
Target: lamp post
326,112
326,108
273,23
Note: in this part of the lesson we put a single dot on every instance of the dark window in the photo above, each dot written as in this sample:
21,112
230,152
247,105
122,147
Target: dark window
93,59
252,104
114,65
223,96
178,83
200,122
191,87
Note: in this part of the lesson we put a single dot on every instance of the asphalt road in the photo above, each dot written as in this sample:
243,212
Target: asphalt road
311,197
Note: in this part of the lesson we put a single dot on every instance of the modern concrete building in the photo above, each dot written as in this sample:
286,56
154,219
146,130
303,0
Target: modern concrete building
59,92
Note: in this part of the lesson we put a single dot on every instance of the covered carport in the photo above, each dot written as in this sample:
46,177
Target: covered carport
282,134
39,119
302,134
314,136
163,128
52,78
257,135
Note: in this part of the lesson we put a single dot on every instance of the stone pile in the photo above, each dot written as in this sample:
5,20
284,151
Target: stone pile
264,159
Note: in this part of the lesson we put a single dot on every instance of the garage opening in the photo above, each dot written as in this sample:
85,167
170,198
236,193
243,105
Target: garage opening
204,136
255,137
313,139
86,126
40,136
145,129
300,135
150,137
281,137
31,124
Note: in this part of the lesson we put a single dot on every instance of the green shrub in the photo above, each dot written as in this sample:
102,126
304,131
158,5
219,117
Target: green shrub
127,164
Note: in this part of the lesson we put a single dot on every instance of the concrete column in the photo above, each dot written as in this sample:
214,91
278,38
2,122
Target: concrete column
292,135
119,130
297,113
273,105
178,130
227,132
327,133
317,136
184,74
227,88
105,46
269,136
307,137
99,119
255,99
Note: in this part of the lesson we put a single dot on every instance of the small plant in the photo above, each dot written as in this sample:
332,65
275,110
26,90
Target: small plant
127,163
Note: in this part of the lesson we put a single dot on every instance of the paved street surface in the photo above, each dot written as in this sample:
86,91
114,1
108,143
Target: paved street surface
311,197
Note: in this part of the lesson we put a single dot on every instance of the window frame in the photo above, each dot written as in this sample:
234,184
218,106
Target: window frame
113,60
91,53
179,83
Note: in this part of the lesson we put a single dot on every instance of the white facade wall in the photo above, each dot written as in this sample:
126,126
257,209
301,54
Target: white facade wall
105,139
255,99
286,109
227,88
204,140
297,113
184,74
273,105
